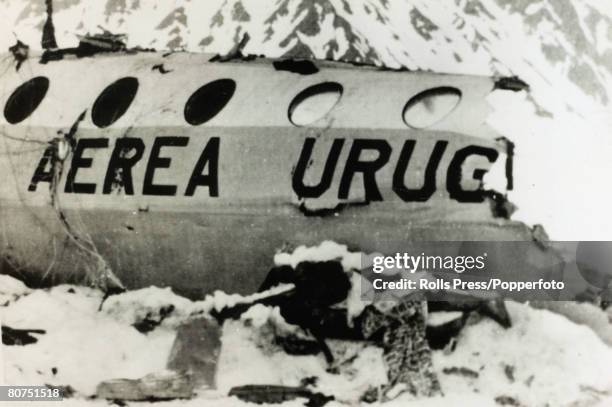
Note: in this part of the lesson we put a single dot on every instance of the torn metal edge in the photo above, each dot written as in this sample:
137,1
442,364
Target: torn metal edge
512,83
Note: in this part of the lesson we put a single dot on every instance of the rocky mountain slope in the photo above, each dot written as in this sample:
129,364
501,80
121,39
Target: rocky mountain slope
542,40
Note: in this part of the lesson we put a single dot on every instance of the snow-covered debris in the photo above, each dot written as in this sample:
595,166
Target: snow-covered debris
543,358
11,289
360,293
152,303
442,317
150,307
552,358
161,385
260,315
250,356
81,346
327,250
219,299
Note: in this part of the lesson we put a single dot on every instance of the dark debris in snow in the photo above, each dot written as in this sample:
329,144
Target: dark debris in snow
19,337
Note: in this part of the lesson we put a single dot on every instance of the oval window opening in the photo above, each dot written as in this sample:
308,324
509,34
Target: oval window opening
114,101
429,107
25,99
314,103
206,102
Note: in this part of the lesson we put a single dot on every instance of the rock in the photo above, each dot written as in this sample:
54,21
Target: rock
155,386
196,350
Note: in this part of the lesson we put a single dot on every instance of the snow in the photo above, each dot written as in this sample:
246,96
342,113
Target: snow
249,356
560,356
583,314
84,345
11,289
134,306
164,306
442,317
551,359
554,156
327,250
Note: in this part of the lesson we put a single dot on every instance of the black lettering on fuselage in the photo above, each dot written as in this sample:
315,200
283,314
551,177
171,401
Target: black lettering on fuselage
367,168
155,162
127,152
210,158
78,161
315,191
44,169
454,175
429,183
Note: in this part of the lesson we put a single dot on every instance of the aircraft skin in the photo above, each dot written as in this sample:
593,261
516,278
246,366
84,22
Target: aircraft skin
200,198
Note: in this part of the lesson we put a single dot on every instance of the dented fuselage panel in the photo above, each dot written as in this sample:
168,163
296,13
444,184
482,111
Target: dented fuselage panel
190,173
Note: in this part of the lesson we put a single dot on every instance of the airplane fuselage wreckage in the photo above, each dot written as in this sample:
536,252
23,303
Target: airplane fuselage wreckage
191,171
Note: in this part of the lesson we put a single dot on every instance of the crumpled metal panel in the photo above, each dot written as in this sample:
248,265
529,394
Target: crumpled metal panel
204,207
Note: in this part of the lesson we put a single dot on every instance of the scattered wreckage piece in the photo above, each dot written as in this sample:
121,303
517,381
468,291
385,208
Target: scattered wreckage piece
89,45
19,337
317,286
508,401
274,394
155,386
491,308
149,323
20,52
196,350
461,371
440,336
401,331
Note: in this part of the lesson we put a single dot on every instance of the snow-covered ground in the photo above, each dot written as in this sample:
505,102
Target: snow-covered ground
544,359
